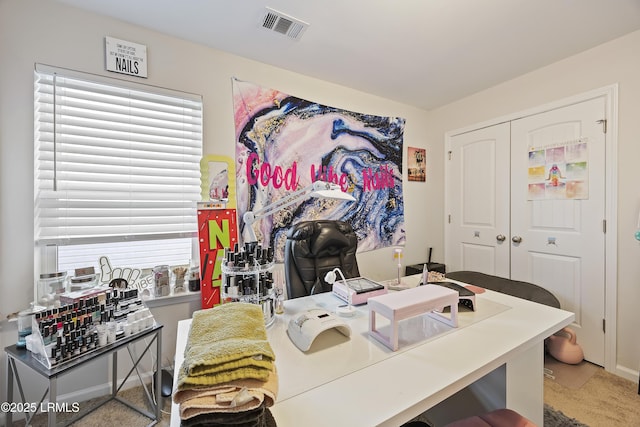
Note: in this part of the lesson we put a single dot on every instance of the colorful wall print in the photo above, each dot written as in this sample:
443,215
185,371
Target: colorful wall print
417,164
559,171
284,143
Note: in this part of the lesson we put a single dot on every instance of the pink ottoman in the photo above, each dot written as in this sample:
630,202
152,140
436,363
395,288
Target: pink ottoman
497,418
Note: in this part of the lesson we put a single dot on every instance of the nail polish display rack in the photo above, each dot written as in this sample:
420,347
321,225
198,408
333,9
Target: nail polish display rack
63,334
247,276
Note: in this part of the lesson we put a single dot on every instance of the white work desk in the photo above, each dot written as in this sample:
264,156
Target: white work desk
360,382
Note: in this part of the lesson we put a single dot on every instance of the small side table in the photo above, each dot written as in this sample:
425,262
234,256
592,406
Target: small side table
24,358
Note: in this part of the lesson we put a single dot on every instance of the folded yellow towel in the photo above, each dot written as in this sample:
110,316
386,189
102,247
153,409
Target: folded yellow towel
234,396
226,343
248,361
186,382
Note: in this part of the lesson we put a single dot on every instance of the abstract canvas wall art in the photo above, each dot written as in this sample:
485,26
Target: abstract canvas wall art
284,143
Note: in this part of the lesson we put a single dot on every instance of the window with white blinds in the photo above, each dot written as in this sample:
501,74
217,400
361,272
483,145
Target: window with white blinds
114,161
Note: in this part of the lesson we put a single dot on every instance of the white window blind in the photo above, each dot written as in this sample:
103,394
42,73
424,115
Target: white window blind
139,254
114,161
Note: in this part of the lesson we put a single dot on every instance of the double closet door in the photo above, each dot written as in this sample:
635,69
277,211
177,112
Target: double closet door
525,200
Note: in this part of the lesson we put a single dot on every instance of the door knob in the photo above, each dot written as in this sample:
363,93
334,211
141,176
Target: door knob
500,238
516,239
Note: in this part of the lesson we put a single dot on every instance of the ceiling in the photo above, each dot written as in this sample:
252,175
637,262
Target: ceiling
424,53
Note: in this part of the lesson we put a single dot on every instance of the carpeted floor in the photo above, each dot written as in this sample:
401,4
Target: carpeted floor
570,376
112,413
604,400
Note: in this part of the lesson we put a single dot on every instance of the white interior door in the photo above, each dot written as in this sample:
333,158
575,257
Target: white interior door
558,241
478,176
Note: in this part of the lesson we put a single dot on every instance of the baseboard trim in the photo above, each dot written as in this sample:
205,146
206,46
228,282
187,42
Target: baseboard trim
103,389
627,373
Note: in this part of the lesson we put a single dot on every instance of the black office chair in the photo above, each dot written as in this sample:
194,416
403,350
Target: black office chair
312,249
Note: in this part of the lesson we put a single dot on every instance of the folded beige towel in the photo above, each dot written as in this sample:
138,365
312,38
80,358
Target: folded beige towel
269,387
231,397
226,343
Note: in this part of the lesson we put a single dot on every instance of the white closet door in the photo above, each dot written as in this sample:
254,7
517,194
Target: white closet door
477,188
555,241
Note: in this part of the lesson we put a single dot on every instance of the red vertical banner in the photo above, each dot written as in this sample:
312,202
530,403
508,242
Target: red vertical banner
217,230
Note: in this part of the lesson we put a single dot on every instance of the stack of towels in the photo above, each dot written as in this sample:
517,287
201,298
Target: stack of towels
228,377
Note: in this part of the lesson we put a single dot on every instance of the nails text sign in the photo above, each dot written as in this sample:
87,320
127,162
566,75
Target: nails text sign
125,57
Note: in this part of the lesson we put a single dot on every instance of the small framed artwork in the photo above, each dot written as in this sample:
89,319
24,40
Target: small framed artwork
417,164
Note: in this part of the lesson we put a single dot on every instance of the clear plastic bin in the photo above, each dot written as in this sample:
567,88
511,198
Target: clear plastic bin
50,286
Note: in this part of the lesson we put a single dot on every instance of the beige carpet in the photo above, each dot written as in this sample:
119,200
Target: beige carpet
112,413
604,400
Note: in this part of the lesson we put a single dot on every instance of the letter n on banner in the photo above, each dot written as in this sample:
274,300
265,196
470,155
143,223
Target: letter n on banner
217,230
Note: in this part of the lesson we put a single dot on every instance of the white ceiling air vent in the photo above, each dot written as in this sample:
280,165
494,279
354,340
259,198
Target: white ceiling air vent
283,24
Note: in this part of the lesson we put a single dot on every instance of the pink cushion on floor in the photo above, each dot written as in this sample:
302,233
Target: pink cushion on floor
497,418
475,421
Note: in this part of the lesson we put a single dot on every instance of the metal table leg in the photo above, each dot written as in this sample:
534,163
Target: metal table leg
9,389
53,398
114,375
158,375
155,414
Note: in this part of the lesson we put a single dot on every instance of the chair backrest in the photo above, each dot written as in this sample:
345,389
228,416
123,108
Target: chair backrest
312,249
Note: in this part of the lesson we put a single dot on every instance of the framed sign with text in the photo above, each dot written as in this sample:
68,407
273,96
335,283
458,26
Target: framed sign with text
125,57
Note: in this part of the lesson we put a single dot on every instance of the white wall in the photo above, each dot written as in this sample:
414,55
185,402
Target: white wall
614,62
51,33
